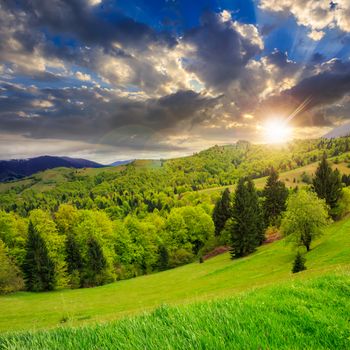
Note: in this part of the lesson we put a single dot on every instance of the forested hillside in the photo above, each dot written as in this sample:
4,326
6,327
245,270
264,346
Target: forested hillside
94,226
146,185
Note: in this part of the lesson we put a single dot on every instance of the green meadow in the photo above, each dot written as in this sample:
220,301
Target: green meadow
216,278
311,314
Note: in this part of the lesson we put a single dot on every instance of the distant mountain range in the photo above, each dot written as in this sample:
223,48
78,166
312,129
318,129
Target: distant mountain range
18,168
121,162
340,131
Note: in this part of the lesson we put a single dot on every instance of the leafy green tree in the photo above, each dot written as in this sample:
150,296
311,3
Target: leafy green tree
247,224
54,242
222,211
38,268
299,263
327,183
96,225
66,218
305,218
275,195
10,275
13,232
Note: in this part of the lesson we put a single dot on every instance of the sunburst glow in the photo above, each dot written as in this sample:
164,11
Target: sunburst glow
276,131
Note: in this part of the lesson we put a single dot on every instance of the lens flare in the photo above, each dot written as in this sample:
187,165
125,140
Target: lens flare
276,131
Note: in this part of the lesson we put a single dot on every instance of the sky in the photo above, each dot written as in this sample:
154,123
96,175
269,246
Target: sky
111,80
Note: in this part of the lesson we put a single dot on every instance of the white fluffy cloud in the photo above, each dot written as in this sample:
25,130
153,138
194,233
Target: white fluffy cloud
82,76
315,14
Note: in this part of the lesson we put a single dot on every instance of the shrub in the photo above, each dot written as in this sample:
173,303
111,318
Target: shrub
299,263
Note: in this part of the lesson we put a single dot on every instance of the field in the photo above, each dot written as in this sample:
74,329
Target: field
216,278
292,316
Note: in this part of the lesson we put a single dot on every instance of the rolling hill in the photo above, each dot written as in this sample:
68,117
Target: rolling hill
215,278
18,168
207,305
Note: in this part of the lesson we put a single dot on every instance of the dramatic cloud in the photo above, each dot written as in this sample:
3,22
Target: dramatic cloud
105,76
220,49
315,14
328,83
98,115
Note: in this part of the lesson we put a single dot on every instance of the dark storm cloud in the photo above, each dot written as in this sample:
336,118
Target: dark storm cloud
82,35
324,88
97,115
221,51
94,25
315,93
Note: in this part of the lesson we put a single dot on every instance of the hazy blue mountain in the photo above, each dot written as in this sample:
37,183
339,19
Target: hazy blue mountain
121,162
18,168
340,131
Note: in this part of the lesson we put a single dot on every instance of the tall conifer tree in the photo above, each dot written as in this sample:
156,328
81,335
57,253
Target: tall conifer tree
163,261
74,258
222,211
38,268
327,183
247,224
96,260
276,194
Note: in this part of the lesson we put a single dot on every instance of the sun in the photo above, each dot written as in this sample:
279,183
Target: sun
276,131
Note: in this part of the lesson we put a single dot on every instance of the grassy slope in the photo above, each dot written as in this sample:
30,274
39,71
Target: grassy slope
288,177
217,277
302,315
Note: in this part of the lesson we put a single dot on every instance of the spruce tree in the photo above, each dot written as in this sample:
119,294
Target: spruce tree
222,211
299,263
327,183
276,194
38,268
74,258
163,262
96,260
247,229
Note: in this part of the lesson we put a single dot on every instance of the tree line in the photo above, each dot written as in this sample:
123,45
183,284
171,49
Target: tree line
73,248
144,186
242,219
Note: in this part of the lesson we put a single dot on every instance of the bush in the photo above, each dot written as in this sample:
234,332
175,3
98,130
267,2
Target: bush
306,178
299,263
180,257
343,206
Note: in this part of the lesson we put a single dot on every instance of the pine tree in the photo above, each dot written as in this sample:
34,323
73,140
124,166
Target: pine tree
299,263
38,268
74,258
222,211
276,194
327,183
96,259
163,262
247,229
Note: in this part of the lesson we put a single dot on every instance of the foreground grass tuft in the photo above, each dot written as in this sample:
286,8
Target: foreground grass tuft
313,314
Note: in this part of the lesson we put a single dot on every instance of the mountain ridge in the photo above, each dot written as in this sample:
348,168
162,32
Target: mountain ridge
15,169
